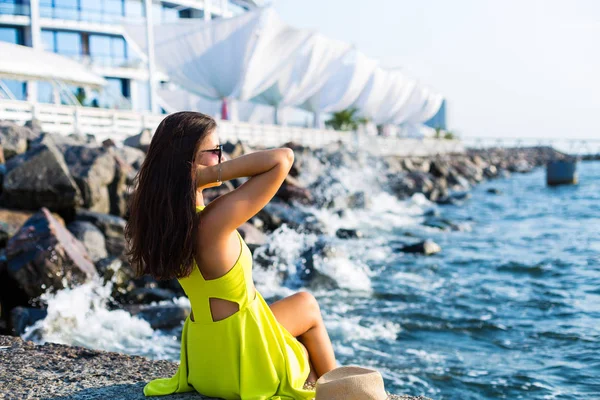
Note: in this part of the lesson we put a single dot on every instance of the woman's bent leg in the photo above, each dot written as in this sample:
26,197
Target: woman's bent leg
301,316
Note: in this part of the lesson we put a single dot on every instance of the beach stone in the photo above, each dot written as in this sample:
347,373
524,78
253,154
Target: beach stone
147,295
119,273
292,190
22,317
359,200
91,237
131,155
45,255
140,141
276,213
440,223
71,372
456,198
111,226
253,236
93,168
119,190
344,233
161,316
15,138
427,247
40,178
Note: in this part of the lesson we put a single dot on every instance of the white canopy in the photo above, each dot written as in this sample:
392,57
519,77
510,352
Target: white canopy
225,58
256,57
308,70
26,63
342,89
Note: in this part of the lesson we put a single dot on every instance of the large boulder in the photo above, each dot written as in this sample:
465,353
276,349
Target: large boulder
111,226
40,178
91,237
119,189
15,138
93,168
43,254
292,190
140,141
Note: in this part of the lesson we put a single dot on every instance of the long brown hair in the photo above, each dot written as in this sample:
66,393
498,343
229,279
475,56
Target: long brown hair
162,215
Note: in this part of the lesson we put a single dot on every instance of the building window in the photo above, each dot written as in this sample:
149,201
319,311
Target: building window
134,9
108,50
11,34
64,43
14,7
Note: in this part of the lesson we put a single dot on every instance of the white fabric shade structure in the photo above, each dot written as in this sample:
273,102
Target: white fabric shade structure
256,57
25,63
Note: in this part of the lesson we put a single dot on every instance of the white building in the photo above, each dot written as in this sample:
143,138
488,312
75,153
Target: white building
91,32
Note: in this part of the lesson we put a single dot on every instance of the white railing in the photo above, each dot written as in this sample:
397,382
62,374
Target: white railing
120,124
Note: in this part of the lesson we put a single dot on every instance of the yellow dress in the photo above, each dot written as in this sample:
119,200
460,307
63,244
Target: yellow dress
247,355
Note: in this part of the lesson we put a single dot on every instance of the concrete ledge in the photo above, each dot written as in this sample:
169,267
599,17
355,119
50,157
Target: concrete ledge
55,371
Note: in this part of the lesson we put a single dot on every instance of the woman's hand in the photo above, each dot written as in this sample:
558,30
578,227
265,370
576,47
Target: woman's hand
202,177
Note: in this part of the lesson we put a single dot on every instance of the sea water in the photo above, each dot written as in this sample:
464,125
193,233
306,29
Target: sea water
509,309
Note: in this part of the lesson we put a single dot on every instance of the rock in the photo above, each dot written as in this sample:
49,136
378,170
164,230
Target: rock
252,235
148,295
494,191
40,178
108,143
131,155
91,237
140,141
238,149
359,200
112,227
22,317
439,168
15,138
35,127
93,168
43,254
160,316
119,273
292,190
118,189
426,247
441,223
456,198
406,184
276,213
343,233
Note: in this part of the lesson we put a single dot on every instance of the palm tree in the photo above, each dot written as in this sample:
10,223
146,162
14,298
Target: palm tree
345,120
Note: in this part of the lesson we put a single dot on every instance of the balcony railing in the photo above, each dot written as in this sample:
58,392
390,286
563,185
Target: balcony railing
118,125
86,15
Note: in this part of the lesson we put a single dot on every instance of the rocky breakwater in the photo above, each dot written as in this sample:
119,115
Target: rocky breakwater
63,209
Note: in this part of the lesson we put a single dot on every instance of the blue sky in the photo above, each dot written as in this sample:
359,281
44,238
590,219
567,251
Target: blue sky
508,68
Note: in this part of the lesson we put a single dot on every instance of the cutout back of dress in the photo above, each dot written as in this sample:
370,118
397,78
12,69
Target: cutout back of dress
235,286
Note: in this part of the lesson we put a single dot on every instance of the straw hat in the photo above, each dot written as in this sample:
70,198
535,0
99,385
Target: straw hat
351,383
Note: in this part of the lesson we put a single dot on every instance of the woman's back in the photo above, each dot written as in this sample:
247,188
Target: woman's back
247,355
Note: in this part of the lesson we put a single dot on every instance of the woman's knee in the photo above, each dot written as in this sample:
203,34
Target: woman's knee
310,304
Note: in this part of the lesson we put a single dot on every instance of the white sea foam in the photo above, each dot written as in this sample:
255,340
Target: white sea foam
79,316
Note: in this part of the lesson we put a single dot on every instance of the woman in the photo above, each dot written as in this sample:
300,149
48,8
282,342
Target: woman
234,345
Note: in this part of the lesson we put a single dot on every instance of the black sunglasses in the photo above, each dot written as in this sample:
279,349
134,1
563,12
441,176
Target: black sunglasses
217,150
